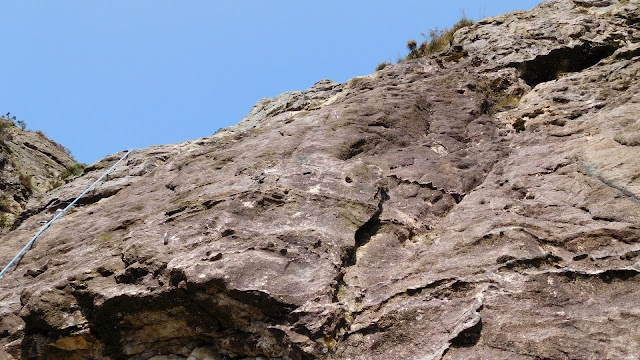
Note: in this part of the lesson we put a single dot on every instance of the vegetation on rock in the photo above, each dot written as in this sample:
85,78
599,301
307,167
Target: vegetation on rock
382,65
31,164
436,40
73,170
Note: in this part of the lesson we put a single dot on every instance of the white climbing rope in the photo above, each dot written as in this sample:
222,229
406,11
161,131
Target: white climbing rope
26,247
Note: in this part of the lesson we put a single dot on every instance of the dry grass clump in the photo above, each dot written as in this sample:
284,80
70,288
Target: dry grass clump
436,40
73,170
5,135
412,45
5,221
494,96
382,65
26,180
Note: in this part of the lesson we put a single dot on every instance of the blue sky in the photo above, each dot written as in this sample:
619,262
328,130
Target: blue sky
104,76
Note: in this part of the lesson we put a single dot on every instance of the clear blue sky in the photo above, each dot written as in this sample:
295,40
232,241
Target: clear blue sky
104,76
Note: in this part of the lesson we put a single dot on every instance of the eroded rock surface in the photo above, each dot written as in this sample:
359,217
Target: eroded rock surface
481,206
30,165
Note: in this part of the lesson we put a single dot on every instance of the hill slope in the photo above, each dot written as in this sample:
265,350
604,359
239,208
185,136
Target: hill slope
482,203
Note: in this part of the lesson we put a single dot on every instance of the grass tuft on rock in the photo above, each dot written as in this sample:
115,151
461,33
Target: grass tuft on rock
382,65
436,40
75,170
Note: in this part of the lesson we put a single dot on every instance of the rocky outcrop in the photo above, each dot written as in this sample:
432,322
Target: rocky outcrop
30,165
478,204
321,93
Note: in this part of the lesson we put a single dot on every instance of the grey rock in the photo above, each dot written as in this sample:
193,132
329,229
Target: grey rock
290,102
479,209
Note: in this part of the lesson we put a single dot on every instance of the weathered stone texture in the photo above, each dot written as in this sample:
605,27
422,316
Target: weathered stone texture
486,208
30,165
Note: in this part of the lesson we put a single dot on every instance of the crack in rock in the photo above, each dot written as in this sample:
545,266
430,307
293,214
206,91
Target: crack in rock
468,331
455,195
362,236
549,66
548,259
606,276
367,230
45,153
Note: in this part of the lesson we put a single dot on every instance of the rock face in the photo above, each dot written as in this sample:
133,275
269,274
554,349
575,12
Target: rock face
483,203
30,165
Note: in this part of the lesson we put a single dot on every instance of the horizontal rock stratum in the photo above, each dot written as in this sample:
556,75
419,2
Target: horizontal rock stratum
480,203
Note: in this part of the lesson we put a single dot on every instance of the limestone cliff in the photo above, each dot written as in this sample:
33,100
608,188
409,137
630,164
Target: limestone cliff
482,203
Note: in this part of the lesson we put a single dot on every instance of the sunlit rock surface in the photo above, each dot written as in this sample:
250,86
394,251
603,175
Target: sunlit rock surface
483,203
30,165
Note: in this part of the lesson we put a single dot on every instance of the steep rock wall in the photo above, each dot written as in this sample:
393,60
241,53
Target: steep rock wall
479,204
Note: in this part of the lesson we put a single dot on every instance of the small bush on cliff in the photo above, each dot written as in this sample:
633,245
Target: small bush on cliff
436,40
4,131
382,65
55,183
412,46
494,96
4,221
75,170
20,123
5,205
26,181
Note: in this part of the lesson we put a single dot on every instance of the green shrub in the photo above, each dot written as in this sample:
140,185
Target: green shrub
75,170
4,221
412,46
55,183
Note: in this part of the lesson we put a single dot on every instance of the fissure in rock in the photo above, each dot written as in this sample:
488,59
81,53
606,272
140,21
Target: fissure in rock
366,231
564,60
469,336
